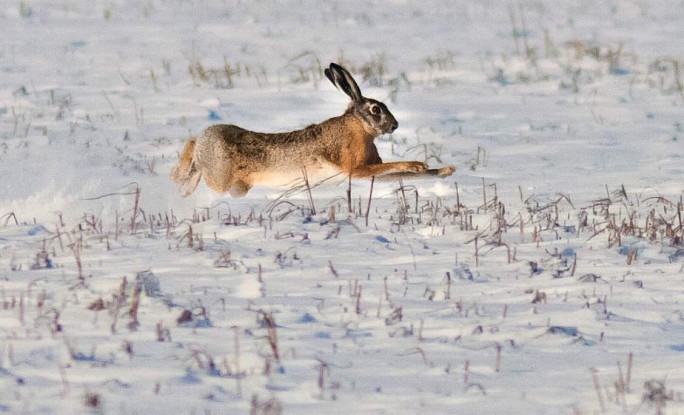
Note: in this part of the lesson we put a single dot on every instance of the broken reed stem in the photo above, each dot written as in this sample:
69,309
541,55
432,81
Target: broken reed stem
270,324
136,207
678,79
484,195
76,247
358,299
332,269
59,238
466,367
349,200
379,306
621,388
9,216
21,309
116,226
370,197
321,375
574,266
135,304
630,361
385,289
236,359
160,331
497,368
458,199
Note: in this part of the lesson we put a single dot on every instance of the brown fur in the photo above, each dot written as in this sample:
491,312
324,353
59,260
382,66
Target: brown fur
185,173
232,159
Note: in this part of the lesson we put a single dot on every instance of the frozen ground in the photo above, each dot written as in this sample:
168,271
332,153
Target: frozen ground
546,276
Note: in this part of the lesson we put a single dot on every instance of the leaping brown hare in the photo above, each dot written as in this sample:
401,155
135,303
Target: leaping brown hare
232,159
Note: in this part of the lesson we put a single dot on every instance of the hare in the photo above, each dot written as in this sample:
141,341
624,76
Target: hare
232,159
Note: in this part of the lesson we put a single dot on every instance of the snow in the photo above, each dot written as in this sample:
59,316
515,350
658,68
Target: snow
556,286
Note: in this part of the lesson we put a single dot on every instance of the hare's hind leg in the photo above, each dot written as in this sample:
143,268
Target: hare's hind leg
185,173
218,158
239,188
217,179
222,179
189,186
236,188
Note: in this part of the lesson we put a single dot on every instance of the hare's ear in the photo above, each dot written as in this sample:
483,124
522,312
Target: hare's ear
343,80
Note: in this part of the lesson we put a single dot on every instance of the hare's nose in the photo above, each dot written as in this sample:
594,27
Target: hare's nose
394,126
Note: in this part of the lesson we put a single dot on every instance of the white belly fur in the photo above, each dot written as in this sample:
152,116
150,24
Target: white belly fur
291,177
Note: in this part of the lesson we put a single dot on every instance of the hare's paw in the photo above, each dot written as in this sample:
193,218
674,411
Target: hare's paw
414,166
446,171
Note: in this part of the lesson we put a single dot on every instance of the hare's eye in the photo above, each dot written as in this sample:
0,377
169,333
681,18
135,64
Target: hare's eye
375,110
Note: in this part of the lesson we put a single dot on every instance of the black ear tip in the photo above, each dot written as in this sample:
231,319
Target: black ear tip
336,67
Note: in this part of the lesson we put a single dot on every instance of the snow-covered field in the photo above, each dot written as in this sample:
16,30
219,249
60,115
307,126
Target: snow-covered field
546,276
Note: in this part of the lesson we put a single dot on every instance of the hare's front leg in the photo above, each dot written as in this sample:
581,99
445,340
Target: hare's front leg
440,172
395,167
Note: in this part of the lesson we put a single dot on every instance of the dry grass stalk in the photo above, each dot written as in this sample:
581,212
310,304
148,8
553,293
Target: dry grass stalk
269,322
6,218
133,324
270,406
597,387
305,177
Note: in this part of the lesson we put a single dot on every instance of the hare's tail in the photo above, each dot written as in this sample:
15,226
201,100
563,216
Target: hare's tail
185,173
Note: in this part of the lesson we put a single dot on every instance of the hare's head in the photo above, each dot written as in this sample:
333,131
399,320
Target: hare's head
374,114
